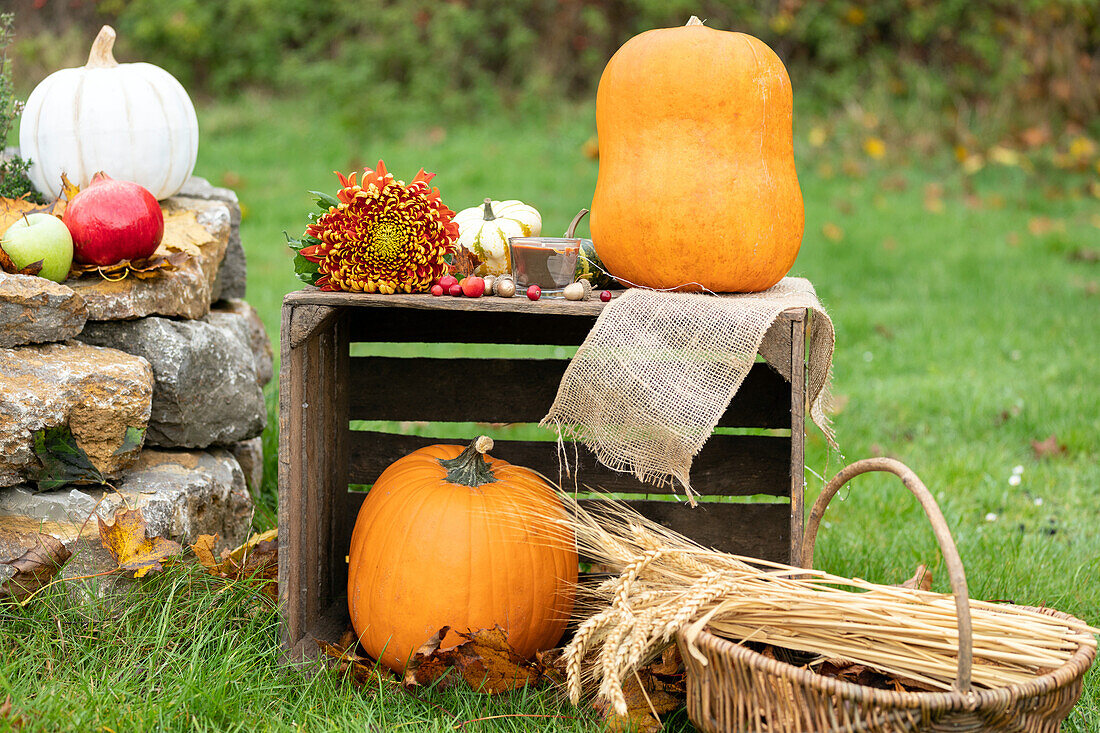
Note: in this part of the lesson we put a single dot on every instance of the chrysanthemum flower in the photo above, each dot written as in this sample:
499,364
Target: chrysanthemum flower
382,236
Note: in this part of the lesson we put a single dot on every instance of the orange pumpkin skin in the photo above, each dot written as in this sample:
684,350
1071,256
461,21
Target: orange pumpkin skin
697,180
427,553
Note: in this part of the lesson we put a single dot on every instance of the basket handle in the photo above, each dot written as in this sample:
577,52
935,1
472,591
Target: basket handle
943,536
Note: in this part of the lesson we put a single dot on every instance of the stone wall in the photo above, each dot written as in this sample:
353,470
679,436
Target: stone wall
180,360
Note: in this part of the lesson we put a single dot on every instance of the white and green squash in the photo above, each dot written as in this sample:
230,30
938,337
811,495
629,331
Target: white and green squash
485,229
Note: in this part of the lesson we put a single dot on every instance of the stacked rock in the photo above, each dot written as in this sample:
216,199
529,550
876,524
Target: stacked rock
179,360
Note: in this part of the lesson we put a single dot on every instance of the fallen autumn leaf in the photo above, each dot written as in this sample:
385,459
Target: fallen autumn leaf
35,568
129,544
485,662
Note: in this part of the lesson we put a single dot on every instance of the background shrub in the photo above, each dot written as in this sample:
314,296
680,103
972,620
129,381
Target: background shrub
991,66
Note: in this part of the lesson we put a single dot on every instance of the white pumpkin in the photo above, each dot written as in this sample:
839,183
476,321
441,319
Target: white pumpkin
134,122
485,229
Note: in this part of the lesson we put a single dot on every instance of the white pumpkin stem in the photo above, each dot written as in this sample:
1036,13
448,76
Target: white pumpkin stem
694,20
102,54
483,444
488,215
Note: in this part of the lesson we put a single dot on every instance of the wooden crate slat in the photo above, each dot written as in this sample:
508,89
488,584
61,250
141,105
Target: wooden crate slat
740,528
728,465
757,530
516,390
495,327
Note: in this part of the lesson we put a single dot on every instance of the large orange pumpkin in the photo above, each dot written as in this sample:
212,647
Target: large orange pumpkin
453,537
697,181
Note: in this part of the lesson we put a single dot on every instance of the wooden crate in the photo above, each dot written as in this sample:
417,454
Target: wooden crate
323,387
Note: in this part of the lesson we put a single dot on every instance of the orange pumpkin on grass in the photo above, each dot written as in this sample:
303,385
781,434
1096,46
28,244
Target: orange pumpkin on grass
697,181
453,537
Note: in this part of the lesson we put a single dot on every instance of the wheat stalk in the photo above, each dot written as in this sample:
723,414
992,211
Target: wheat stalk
668,583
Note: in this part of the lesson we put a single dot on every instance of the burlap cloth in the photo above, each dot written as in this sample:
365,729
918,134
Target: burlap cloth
650,382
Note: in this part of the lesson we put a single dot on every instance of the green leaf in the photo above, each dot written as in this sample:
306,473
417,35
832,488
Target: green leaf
306,270
306,240
324,201
63,461
132,440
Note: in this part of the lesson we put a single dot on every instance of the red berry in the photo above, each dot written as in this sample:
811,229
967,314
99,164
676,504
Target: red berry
455,289
534,292
437,290
473,287
447,281
605,295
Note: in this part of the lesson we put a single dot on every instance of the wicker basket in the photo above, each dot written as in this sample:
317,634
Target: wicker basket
741,690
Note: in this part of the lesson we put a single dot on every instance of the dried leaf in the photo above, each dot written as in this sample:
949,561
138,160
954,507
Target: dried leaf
921,580
485,662
183,233
648,696
465,261
11,210
257,559
8,266
129,544
69,189
551,665
360,671
1049,447
34,569
14,722
143,269
204,551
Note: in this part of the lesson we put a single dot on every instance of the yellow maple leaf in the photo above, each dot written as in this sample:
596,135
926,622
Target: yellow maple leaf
129,544
184,233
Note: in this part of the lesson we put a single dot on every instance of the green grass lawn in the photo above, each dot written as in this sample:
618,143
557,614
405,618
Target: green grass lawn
968,325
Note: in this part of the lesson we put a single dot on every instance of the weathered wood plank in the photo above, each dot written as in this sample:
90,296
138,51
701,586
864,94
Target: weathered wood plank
760,530
317,459
798,436
307,320
293,466
516,390
328,626
340,522
423,301
728,465
401,325
756,530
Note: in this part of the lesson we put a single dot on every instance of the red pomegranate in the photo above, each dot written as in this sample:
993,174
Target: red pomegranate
113,221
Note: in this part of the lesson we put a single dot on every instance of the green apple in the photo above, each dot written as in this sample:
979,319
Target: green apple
43,237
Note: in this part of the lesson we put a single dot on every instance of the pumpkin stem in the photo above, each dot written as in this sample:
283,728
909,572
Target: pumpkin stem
573,224
469,467
489,215
101,56
694,20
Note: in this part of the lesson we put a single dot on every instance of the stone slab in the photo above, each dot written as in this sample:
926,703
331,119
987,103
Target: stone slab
36,310
262,352
232,275
183,293
181,494
250,454
98,392
206,391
